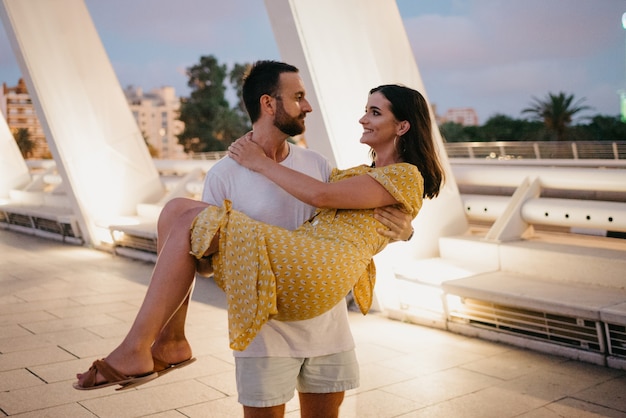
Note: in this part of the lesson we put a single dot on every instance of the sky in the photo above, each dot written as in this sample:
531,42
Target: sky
495,56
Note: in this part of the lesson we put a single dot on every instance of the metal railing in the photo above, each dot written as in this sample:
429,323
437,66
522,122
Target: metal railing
213,156
512,150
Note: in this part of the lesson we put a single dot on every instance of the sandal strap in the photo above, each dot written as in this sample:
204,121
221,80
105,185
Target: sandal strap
108,372
102,367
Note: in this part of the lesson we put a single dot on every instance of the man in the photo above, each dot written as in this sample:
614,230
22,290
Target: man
314,356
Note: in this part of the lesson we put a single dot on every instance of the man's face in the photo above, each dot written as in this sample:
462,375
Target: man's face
291,105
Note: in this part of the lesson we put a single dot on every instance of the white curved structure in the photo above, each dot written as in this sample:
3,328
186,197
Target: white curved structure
343,49
92,134
13,170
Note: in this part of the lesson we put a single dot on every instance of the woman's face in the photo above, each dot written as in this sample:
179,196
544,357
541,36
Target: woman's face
380,126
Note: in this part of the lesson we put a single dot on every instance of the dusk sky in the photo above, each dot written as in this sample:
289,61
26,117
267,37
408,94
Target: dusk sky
492,55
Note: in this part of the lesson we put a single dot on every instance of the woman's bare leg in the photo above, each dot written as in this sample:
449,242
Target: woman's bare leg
170,285
171,344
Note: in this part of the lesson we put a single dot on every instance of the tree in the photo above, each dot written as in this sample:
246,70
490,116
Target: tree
504,128
603,128
236,79
210,123
24,142
154,153
453,132
556,112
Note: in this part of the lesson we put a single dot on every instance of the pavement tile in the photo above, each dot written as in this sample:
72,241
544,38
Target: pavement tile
54,325
72,410
18,379
149,400
32,341
28,358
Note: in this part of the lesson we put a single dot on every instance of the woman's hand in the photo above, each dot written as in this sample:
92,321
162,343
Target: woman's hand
247,153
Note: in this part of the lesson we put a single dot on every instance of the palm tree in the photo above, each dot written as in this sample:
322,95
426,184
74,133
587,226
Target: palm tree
556,112
24,142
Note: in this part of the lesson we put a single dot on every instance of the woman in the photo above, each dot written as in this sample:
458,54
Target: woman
268,271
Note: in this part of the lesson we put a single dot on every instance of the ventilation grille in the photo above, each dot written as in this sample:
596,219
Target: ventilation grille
51,226
136,242
617,339
563,330
19,219
55,227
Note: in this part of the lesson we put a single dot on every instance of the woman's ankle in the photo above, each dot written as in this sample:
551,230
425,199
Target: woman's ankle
172,350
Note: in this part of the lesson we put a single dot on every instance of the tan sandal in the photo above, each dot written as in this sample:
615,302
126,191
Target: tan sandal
162,367
112,376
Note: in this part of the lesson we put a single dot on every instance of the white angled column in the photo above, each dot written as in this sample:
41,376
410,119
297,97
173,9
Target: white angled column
13,170
98,148
343,49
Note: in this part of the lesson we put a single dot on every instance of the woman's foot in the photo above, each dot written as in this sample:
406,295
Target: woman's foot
169,353
109,376
165,355
124,362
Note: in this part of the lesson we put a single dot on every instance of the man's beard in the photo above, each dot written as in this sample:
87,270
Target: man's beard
290,125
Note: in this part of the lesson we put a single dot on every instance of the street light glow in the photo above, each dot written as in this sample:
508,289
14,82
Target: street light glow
624,20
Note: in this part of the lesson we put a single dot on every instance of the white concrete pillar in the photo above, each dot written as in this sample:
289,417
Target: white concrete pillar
13,169
343,49
92,135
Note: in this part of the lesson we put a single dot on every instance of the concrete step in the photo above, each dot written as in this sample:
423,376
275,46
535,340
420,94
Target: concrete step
558,257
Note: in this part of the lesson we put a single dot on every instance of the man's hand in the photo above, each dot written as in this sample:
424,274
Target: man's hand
397,222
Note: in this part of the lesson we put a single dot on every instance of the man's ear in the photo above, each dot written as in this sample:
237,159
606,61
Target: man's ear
268,104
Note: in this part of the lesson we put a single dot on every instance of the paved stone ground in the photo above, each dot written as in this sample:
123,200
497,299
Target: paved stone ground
63,306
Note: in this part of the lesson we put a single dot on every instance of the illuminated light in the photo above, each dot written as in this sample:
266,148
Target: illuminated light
117,235
103,235
419,286
454,303
120,220
109,234
624,20
420,296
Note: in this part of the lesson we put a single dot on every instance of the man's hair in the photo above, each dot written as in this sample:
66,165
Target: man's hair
263,77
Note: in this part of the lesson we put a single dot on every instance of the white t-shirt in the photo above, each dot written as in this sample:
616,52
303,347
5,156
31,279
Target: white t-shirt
259,198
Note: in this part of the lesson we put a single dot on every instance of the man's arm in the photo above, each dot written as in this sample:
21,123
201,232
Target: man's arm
398,223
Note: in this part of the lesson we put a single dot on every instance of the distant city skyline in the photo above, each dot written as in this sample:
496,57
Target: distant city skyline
489,55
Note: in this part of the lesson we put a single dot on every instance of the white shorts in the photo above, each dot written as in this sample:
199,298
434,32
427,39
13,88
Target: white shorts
271,381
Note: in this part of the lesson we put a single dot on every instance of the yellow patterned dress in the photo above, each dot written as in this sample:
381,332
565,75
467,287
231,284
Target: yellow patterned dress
267,271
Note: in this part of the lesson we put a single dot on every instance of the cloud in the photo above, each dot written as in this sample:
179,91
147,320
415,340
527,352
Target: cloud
153,42
494,55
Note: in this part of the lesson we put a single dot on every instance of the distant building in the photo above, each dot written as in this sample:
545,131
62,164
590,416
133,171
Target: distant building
465,116
19,112
433,110
156,114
